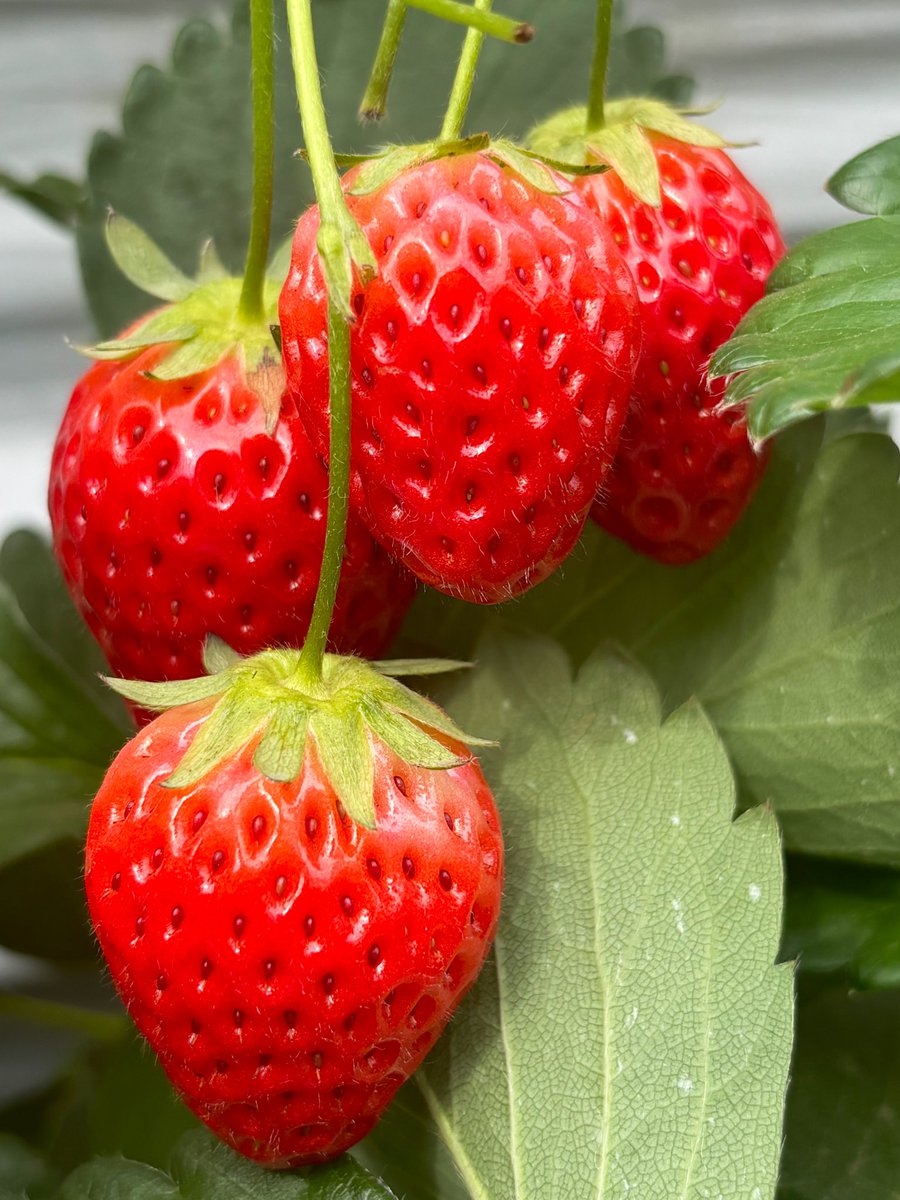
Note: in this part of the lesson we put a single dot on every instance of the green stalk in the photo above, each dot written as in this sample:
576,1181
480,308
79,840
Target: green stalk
477,17
311,656
104,1027
337,234
374,102
458,105
596,115
262,57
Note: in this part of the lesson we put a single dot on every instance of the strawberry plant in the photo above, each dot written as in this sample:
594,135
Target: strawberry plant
648,940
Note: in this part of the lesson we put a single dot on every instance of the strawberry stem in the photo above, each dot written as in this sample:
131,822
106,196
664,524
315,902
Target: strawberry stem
250,305
341,246
478,17
374,102
458,104
596,115
313,652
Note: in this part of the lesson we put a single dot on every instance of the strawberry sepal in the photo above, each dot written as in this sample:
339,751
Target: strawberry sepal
267,699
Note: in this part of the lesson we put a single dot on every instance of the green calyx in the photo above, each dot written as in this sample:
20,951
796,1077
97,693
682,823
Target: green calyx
270,699
202,319
537,169
622,143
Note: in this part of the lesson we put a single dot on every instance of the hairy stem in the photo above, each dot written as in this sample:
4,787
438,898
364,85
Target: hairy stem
337,231
479,17
338,493
263,70
458,105
596,116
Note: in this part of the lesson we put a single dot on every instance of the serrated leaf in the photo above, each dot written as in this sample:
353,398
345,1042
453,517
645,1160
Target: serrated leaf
844,1103
190,122
789,634
630,1033
870,183
343,747
826,336
204,1169
143,263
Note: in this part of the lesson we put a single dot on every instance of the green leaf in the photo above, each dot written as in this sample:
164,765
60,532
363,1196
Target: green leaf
870,183
181,167
630,1032
54,196
22,1169
844,1104
55,739
231,725
28,568
789,634
204,1169
826,336
844,920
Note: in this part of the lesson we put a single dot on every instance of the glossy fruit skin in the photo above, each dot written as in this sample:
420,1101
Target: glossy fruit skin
176,515
289,968
683,473
491,361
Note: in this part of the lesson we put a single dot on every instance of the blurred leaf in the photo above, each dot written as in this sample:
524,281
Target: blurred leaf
789,634
844,920
53,196
22,1169
58,733
630,1032
181,166
870,183
827,336
42,906
28,568
843,1118
204,1169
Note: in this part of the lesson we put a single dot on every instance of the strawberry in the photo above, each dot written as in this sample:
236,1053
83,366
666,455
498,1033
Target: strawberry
186,498
175,514
491,360
700,250
290,966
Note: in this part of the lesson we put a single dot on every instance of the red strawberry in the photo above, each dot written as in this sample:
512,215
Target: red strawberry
684,473
175,514
491,362
289,966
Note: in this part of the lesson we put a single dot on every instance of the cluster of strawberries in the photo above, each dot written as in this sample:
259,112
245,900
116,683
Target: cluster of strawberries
521,359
